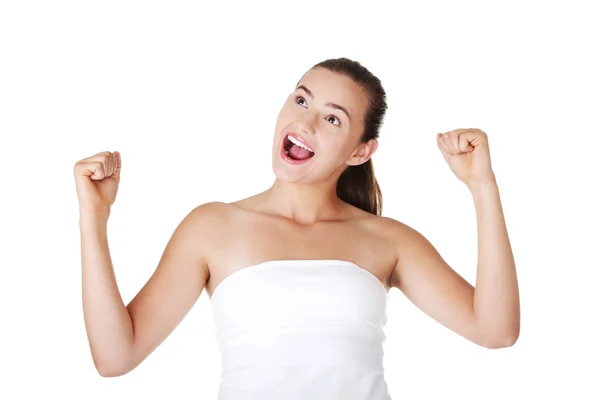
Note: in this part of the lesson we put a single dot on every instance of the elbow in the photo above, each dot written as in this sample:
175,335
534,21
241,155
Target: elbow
499,340
110,373
499,343
116,362
110,369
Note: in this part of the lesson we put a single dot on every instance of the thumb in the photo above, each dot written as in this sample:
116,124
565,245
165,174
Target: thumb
463,143
117,172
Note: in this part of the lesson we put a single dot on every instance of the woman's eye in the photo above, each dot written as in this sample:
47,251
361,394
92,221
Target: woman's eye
298,98
334,118
330,118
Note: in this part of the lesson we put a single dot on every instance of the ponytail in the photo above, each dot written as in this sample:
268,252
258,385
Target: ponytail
358,186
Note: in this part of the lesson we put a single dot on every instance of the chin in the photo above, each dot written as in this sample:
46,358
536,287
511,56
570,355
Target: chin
287,173
283,173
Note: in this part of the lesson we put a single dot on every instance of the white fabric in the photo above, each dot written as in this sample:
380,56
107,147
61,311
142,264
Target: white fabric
300,330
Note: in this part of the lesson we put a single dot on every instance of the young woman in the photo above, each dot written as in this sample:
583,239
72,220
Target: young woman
298,275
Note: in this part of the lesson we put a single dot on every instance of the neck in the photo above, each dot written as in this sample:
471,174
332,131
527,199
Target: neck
304,203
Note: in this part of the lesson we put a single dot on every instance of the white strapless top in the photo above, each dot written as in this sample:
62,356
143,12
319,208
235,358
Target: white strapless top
301,330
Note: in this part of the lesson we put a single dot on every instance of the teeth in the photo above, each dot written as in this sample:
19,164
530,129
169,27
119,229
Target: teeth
298,143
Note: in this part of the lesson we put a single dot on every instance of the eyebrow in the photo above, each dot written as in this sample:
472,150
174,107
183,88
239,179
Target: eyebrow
329,104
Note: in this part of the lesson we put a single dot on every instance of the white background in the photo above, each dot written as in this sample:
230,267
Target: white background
189,95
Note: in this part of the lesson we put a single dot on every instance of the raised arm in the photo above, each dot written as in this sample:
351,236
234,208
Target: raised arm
487,314
121,337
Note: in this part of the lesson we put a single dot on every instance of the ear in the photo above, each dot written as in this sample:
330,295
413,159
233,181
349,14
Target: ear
363,152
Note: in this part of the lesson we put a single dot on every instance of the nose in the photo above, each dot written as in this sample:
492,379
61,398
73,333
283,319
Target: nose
306,123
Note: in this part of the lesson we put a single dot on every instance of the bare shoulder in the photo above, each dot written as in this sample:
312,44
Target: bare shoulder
396,230
210,211
388,227
409,246
212,217
390,230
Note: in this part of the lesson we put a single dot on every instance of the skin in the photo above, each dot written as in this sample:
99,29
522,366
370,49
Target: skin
301,217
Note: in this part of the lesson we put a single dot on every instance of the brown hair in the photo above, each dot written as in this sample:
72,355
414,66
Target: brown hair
357,185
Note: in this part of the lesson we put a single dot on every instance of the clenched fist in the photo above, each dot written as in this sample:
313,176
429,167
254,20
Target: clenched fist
97,180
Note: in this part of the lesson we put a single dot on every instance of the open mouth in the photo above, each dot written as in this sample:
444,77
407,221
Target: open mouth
296,152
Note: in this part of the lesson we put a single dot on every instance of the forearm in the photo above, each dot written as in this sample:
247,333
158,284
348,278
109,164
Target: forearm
108,323
496,301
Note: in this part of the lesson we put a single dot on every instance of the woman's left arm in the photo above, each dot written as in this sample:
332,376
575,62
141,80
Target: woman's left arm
496,299
489,313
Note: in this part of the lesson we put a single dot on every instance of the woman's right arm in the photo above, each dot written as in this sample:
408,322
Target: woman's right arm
121,337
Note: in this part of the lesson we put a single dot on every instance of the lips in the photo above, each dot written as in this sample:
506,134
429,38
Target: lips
286,145
299,138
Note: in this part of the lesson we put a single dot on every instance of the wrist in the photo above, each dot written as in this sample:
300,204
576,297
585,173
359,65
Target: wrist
483,185
96,215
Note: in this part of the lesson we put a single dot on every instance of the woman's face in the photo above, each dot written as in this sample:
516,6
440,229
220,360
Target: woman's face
325,113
